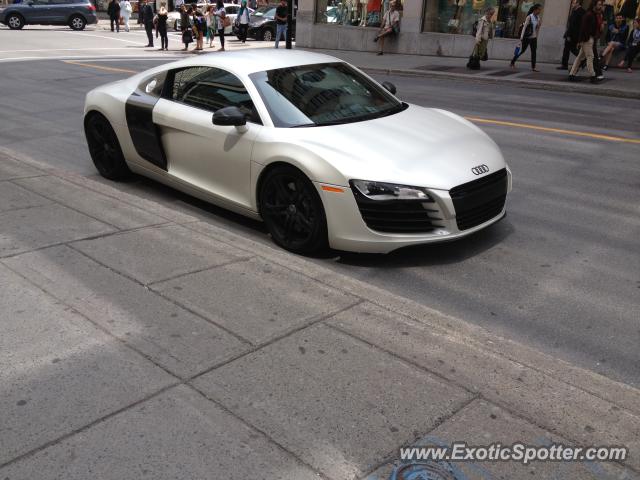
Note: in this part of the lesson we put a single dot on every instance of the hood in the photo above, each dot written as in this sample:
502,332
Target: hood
419,147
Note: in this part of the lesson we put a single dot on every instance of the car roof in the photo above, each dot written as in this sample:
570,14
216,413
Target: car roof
257,60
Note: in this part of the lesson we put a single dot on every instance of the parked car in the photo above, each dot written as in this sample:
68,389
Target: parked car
262,24
315,148
230,8
75,13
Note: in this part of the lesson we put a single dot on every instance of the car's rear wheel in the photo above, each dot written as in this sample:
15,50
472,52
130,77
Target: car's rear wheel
77,22
104,148
15,21
266,35
292,210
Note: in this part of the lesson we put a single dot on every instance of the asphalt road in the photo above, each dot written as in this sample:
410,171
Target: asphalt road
560,273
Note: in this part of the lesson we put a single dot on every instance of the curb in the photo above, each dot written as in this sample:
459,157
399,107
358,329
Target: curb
578,404
522,83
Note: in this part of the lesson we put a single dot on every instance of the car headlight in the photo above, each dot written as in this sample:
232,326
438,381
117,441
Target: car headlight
389,191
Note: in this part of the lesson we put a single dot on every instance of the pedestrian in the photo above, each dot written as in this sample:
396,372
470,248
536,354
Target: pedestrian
282,15
572,33
161,27
125,11
200,24
484,32
617,40
185,26
147,20
389,27
210,17
633,47
113,9
589,33
529,36
242,20
222,22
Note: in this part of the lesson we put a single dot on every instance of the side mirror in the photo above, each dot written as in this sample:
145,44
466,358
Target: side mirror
229,116
390,86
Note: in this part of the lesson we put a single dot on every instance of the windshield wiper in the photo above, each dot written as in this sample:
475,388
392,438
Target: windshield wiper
302,125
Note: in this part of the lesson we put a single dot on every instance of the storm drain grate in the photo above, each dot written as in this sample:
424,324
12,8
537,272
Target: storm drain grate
425,471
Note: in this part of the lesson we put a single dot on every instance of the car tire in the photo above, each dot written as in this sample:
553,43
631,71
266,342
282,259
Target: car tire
292,210
77,22
15,21
267,35
104,147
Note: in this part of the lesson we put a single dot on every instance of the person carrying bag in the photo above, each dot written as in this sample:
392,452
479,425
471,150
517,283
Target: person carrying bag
484,32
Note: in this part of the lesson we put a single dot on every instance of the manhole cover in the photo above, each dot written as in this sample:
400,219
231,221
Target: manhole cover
424,471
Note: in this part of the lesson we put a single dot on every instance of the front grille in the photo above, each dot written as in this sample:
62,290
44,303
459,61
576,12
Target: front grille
398,216
480,200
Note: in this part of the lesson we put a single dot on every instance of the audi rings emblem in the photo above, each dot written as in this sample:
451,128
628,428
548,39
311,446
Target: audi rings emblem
480,169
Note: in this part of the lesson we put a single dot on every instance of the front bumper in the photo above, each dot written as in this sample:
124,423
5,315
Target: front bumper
348,231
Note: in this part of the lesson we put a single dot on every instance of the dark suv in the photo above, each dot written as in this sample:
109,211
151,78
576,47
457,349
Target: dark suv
75,13
262,24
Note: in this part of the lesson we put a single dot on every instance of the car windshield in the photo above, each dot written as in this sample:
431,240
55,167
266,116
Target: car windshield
265,12
322,94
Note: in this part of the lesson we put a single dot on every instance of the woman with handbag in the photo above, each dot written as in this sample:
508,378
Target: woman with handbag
484,31
390,25
529,36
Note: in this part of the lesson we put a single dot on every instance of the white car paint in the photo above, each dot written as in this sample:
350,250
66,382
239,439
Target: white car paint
420,146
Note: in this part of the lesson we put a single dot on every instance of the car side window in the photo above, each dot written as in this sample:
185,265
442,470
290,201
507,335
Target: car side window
212,89
41,2
154,85
231,10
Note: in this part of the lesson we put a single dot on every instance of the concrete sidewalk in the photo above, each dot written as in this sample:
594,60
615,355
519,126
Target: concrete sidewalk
137,341
617,83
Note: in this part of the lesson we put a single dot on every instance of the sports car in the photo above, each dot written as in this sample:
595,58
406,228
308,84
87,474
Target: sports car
307,143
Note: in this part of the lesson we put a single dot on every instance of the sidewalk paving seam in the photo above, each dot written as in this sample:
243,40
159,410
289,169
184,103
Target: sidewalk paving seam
393,455
367,296
92,237
64,204
310,323
155,292
88,426
476,395
261,432
22,178
150,285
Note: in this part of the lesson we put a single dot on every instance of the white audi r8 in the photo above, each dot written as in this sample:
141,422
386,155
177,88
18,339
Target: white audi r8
309,144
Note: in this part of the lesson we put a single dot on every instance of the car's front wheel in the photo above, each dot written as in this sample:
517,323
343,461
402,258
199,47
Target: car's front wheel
104,148
292,210
15,21
266,35
77,22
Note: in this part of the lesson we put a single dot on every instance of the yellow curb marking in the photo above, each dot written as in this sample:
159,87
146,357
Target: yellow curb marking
100,67
554,130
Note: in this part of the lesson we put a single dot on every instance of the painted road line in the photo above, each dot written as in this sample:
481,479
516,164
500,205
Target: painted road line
65,49
101,67
101,36
597,136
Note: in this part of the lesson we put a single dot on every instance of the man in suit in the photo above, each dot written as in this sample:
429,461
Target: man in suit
113,9
147,19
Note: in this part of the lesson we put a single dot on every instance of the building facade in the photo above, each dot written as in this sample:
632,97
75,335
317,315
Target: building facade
428,27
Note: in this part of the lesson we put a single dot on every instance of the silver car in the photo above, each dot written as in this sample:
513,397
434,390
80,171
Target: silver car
74,13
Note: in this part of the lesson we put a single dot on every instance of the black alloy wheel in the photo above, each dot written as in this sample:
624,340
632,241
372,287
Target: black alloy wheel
104,148
292,210
15,21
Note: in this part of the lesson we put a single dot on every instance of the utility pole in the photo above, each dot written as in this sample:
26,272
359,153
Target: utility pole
289,22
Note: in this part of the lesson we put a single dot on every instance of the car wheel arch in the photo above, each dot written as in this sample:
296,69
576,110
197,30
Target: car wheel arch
277,164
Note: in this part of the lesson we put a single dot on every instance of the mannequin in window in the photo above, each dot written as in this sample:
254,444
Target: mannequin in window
456,19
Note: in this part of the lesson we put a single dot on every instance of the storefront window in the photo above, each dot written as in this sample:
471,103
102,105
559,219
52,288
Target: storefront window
458,16
362,13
